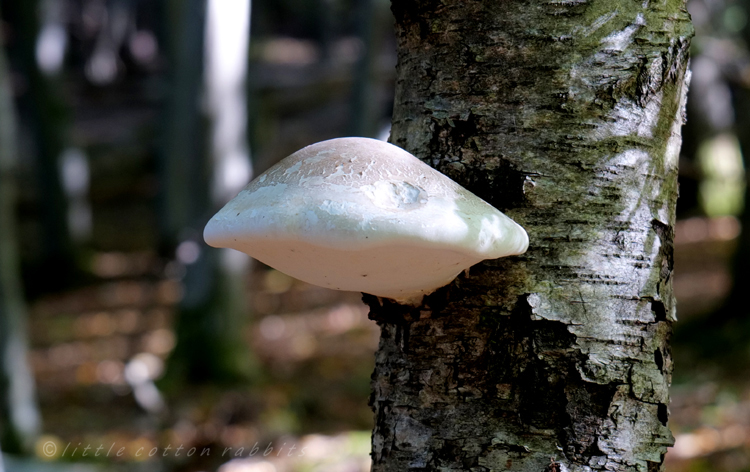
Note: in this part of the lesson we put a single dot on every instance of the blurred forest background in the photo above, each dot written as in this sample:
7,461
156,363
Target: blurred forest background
125,124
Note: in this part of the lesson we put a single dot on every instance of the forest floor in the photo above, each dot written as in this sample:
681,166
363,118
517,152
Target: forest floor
306,409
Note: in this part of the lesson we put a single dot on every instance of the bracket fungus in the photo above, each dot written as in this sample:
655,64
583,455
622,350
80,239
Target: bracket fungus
363,215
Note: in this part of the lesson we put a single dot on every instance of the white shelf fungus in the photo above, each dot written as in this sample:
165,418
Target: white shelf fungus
364,215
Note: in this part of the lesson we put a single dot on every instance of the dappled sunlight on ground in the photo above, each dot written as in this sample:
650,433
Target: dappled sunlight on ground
711,424
93,347
98,353
710,408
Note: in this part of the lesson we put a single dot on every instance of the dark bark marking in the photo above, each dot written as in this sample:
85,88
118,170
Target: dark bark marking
666,253
413,12
501,187
383,425
385,310
679,55
550,393
587,408
517,449
660,312
645,87
662,412
451,452
659,359
451,135
402,336
665,257
452,147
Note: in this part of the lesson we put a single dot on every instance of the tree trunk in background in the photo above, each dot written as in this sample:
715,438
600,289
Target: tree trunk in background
566,116
196,171
365,113
54,265
364,117
19,415
185,176
734,309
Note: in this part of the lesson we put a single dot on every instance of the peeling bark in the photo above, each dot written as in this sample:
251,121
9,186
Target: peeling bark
565,115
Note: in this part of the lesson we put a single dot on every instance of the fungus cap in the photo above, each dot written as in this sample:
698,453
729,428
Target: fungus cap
363,215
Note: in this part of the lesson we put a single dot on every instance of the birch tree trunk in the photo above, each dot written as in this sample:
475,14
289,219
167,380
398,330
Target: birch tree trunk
565,115
19,413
